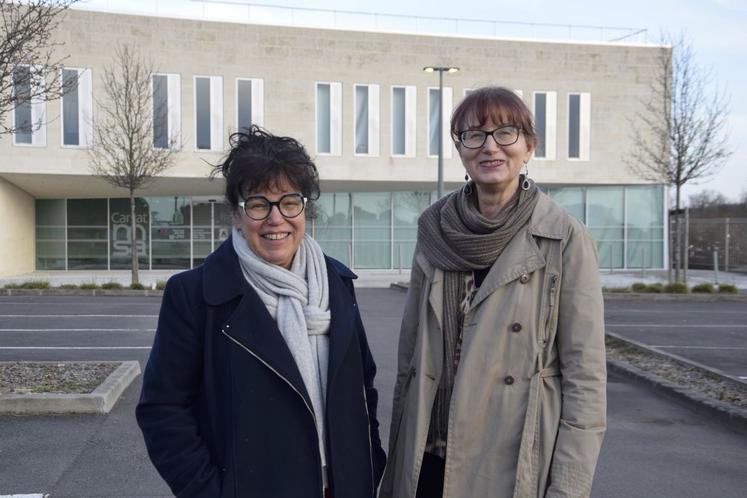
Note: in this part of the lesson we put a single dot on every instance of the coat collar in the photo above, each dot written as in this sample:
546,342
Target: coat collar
252,326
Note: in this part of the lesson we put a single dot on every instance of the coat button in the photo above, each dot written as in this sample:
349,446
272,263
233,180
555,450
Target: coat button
516,327
524,278
508,380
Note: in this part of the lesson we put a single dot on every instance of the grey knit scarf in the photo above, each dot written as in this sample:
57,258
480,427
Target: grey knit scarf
456,238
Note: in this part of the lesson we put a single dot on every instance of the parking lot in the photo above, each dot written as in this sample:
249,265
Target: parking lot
653,447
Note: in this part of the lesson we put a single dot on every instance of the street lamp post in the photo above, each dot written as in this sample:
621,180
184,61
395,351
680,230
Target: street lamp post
440,70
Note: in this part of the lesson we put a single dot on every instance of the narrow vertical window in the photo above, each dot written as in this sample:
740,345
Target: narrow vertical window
574,122
209,112
160,111
249,102
202,112
22,114
328,118
361,119
244,103
545,112
433,121
578,126
28,113
323,119
398,121
70,108
540,106
403,120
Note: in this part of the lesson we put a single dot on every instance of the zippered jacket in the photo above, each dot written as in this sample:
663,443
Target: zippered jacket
224,411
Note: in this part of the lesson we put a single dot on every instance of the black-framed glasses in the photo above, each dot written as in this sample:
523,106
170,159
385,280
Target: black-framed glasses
258,207
503,135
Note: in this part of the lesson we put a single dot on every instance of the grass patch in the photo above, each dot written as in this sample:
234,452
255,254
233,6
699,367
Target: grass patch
616,290
90,286
137,286
161,285
29,284
68,286
703,288
727,289
111,286
676,288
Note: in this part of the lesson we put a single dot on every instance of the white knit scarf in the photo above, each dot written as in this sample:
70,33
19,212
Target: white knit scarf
298,301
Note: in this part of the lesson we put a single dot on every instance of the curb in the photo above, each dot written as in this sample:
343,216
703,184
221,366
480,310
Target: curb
733,417
81,292
643,296
652,296
100,401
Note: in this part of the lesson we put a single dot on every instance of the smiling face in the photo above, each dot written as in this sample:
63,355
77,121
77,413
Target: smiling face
276,238
495,167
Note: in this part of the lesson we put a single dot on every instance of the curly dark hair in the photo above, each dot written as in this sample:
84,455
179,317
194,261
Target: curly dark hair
258,160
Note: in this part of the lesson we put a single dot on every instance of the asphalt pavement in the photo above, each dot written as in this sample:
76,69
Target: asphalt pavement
653,447
711,333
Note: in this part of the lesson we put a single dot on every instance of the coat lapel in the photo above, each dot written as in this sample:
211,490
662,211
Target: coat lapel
250,325
521,256
342,327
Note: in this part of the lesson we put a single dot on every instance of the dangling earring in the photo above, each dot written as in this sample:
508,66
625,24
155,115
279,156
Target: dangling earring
525,185
466,177
468,185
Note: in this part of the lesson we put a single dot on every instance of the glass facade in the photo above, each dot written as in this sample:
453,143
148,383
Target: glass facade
361,229
87,234
372,230
50,234
333,226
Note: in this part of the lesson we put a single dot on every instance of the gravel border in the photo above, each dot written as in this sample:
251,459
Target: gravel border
704,390
100,401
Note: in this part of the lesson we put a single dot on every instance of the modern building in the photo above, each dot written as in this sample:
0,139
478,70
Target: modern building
361,103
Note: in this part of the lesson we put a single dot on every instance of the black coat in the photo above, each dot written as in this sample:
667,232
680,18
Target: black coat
224,410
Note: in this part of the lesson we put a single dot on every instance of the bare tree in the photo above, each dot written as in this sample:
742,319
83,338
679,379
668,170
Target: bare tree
124,151
707,199
30,62
680,135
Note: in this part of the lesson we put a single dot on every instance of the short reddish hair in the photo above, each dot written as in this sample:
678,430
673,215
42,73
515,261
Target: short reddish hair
496,103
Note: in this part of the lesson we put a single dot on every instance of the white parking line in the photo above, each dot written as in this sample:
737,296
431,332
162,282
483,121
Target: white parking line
77,330
678,325
70,347
38,495
669,346
77,316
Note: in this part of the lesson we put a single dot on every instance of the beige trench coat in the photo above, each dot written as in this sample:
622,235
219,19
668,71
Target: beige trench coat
528,410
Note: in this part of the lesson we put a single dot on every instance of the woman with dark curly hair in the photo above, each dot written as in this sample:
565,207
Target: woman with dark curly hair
260,380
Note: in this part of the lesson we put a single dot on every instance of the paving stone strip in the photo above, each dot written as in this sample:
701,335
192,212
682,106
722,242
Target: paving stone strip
53,377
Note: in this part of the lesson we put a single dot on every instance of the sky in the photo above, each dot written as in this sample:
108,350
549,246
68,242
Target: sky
716,29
